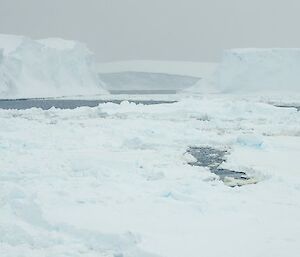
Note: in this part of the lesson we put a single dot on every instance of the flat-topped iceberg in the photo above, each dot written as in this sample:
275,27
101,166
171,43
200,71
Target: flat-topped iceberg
46,68
260,70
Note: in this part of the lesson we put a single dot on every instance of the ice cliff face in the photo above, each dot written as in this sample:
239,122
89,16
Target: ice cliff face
258,70
48,67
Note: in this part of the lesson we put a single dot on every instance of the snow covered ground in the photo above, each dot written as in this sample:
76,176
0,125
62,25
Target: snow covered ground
114,180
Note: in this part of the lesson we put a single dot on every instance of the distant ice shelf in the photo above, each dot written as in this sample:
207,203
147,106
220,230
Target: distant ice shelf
145,81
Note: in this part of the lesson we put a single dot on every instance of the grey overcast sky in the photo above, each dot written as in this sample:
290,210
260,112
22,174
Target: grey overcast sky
187,30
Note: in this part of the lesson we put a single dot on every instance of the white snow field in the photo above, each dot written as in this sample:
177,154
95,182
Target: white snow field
46,68
114,180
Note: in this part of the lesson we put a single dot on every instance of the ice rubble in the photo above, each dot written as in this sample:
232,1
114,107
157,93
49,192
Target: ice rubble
263,70
43,68
116,182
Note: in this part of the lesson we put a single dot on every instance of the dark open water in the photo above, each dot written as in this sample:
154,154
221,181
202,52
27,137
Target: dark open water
212,158
46,104
289,106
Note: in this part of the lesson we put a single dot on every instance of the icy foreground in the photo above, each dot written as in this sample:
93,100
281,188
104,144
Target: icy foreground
44,68
114,181
260,70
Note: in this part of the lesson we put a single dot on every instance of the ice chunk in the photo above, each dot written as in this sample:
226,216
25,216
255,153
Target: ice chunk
254,141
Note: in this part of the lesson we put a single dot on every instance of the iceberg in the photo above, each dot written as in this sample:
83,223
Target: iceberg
46,68
260,70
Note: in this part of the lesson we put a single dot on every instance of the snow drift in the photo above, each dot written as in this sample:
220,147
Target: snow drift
43,68
252,70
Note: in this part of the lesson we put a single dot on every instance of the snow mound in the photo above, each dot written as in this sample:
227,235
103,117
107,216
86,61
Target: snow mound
46,68
252,70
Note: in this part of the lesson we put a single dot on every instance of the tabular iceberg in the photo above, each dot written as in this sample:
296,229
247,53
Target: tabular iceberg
257,70
46,68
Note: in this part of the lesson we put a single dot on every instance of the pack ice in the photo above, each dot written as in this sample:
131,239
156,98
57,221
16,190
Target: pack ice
252,70
47,67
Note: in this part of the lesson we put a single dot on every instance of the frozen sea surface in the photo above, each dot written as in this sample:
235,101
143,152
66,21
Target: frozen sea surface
115,180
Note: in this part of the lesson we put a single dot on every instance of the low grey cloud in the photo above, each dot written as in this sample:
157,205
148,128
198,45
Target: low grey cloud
191,30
